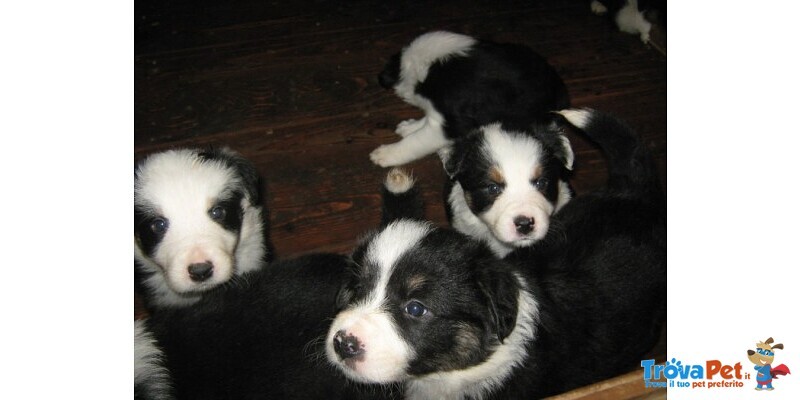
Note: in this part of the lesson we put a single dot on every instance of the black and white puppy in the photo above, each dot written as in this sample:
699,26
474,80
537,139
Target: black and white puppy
198,223
437,312
264,337
462,83
636,17
506,182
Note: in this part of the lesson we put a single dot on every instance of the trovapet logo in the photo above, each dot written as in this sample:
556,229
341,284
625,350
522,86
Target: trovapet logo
716,374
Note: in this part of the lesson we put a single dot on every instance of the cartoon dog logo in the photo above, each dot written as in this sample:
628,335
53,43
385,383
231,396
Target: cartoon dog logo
763,357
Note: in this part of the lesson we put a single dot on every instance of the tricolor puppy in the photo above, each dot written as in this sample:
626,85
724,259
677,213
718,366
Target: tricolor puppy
507,182
436,312
462,83
198,223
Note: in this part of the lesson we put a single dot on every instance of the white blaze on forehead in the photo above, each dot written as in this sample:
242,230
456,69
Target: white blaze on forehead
175,180
515,154
386,249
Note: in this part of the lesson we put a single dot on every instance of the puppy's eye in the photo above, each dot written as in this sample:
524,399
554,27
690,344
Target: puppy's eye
159,226
416,309
494,189
541,183
217,213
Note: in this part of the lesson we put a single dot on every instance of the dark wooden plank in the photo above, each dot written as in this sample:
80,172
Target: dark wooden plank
292,86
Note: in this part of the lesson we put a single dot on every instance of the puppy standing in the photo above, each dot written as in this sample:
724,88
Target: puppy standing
462,83
438,313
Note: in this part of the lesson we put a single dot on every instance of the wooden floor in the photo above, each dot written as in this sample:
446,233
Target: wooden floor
292,86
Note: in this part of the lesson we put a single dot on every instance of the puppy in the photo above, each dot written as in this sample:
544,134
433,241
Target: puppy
197,224
263,338
507,182
462,83
636,17
439,314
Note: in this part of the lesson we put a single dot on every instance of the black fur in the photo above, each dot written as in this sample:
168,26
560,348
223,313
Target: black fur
260,338
493,82
401,205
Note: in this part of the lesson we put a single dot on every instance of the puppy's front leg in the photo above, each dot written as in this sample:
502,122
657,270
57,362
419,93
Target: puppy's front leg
416,145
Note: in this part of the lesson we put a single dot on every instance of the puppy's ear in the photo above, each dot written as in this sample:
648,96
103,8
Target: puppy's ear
343,297
249,175
454,155
554,136
564,151
347,290
243,167
500,289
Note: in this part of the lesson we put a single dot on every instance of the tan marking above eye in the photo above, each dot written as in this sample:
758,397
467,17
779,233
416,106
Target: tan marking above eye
415,282
496,176
537,172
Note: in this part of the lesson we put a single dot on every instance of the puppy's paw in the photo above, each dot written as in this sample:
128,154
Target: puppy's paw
598,8
387,155
408,127
399,181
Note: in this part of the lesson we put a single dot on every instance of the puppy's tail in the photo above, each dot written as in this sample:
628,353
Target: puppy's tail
401,199
630,164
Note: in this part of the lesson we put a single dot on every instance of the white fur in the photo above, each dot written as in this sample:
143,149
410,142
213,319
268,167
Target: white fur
398,181
178,186
577,116
385,353
425,135
481,380
148,370
630,20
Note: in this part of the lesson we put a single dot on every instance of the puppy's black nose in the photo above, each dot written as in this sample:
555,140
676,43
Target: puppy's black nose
524,224
346,346
201,271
